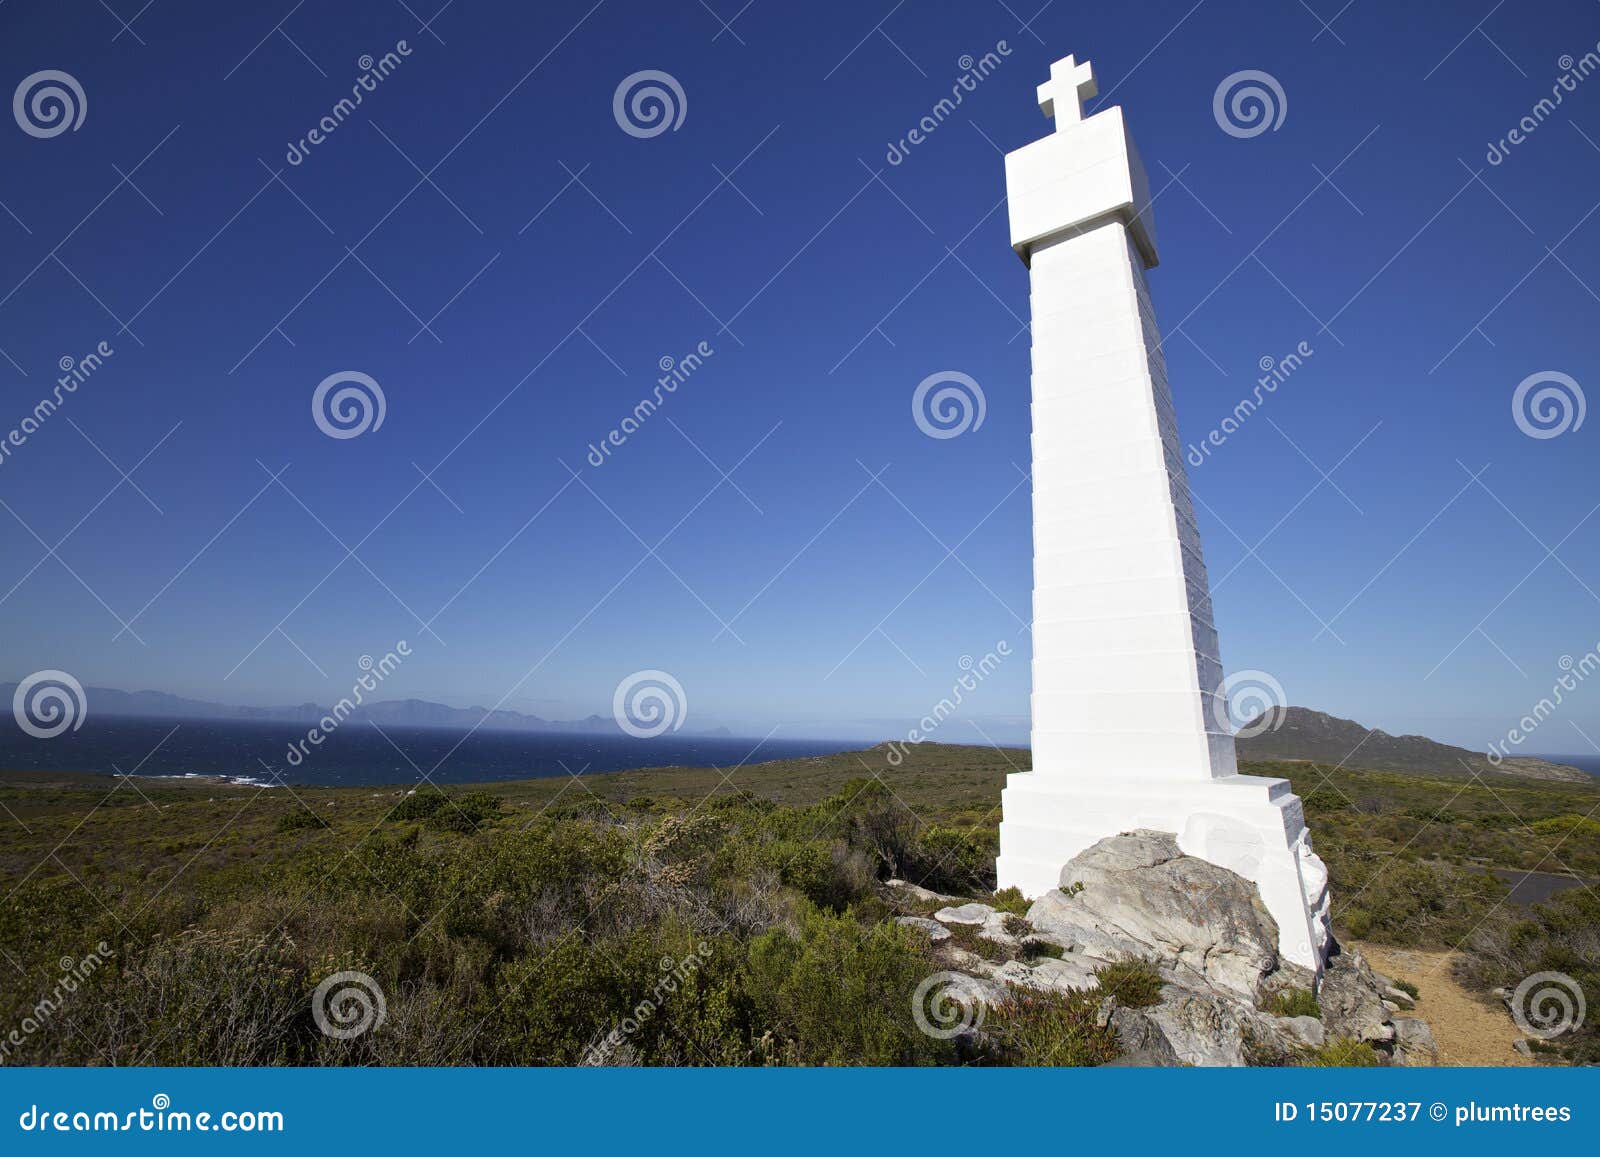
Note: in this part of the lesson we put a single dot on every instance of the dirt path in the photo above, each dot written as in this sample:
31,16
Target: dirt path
1468,1031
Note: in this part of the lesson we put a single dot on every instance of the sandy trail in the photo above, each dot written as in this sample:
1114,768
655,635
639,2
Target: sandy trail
1468,1031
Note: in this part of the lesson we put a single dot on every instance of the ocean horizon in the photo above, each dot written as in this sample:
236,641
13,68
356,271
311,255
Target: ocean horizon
358,754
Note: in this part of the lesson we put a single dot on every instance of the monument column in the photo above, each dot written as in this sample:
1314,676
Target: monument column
1129,729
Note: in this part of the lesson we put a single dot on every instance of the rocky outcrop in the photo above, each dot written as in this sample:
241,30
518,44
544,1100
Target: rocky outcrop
1414,1043
1352,1001
1205,930
1138,895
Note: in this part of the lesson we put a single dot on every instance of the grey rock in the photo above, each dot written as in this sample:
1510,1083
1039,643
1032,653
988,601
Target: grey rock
1067,972
1393,995
1045,975
917,893
1523,1047
935,930
1142,1059
972,990
1390,1005
965,914
960,958
1210,1028
1413,1042
1307,1029
1138,895
994,928
1350,1002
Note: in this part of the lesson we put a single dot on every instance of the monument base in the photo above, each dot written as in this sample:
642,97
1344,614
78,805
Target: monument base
1249,824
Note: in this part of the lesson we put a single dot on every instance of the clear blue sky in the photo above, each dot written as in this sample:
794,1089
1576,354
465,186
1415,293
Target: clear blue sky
828,283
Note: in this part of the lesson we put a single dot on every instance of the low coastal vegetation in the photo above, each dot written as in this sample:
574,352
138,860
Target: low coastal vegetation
671,916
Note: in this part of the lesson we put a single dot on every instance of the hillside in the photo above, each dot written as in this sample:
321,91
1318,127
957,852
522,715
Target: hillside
1299,733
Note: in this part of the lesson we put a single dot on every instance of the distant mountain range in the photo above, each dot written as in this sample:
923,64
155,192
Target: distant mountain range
389,712
1299,733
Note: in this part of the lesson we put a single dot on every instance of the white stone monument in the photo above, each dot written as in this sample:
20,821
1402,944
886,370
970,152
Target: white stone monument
1130,729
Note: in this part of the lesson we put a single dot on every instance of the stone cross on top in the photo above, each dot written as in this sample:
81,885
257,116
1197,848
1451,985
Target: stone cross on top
1062,96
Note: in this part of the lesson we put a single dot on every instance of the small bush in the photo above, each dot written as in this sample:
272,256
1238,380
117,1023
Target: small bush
1135,983
1295,1002
419,804
465,813
1047,1028
299,818
1342,1053
1408,988
1011,900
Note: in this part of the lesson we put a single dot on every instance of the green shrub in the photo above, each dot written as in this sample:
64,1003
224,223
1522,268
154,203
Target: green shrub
419,804
1295,1002
1011,900
465,813
1408,988
1039,1028
1135,983
841,993
299,818
1342,1052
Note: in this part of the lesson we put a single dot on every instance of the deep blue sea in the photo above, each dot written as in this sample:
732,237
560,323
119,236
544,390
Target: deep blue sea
358,754
1589,763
